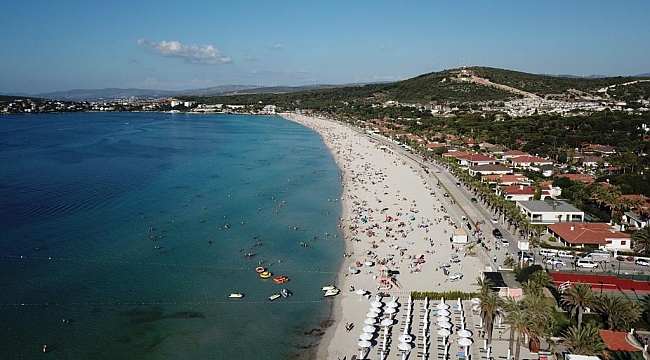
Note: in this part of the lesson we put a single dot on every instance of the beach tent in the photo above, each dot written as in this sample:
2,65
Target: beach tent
460,237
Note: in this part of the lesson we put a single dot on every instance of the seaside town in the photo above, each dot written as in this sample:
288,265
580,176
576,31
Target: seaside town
459,248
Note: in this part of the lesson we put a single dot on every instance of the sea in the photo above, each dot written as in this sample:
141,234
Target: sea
123,234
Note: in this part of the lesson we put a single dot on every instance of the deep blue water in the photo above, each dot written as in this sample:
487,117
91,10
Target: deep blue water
79,194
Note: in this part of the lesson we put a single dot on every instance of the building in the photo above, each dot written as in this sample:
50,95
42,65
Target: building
475,159
549,211
488,169
527,161
505,179
579,234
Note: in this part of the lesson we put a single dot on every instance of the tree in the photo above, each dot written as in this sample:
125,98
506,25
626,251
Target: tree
519,321
484,283
578,297
583,340
641,240
619,312
491,305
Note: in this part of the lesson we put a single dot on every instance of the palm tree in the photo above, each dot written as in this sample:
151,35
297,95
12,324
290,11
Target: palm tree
491,305
584,340
578,297
511,304
618,311
484,283
641,240
519,321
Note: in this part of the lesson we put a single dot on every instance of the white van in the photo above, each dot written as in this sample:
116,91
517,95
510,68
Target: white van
548,252
584,263
565,254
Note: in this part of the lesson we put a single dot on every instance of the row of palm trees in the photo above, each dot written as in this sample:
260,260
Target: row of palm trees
535,317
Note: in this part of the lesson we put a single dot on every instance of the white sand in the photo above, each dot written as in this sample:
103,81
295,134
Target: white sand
374,178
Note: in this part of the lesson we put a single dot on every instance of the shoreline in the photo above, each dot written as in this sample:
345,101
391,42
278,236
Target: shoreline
389,207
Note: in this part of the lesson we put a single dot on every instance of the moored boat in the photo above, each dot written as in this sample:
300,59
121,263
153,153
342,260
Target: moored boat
328,287
236,295
266,274
274,297
286,292
331,292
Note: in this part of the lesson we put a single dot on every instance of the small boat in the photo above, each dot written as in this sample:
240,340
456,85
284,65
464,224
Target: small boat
236,295
265,274
281,279
331,292
260,269
286,292
274,297
329,287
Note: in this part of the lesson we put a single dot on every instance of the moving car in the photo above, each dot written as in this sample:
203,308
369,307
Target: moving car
505,242
497,233
494,221
556,262
642,262
528,257
473,200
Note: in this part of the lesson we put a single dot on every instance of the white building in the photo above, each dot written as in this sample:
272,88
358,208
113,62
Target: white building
549,211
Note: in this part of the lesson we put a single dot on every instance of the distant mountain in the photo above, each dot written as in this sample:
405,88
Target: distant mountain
643,75
116,93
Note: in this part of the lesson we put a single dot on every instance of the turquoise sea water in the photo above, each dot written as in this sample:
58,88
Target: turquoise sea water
79,194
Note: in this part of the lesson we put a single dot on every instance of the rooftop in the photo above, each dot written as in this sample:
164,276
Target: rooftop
549,206
586,233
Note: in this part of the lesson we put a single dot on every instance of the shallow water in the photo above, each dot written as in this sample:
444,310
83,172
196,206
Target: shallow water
79,194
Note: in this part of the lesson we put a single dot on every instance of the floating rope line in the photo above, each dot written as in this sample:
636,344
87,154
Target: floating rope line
160,303
120,262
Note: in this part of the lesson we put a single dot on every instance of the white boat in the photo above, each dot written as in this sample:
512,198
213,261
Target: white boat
286,292
274,297
329,287
236,295
331,292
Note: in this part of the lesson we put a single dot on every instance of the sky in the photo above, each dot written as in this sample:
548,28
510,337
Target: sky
61,45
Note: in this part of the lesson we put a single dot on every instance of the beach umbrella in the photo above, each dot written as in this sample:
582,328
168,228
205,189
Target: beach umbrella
460,304
444,332
377,304
442,300
372,314
369,328
405,346
405,338
464,341
390,310
360,292
393,304
387,322
364,344
442,306
488,351
445,325
369,321
366,336
443,319
443,313
464,333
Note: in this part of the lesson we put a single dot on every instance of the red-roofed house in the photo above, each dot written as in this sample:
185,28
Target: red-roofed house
475,159
620,341
579,234
521,192
505,179
639,215
528,160
514,153
434,145
455,154
583,178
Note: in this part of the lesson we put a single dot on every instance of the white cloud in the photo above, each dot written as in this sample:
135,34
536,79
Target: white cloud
250,57
276,47
194,54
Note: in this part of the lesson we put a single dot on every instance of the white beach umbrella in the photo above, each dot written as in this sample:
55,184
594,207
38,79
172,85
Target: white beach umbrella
405,338
390,310
488,351
444,332
366,336
360,292
393,304
369,328
377,304
364,344
465,341
460,304
442,306
372,314
387,322
443,319
405,346
370,321
464,333
375,309
443,313
445,325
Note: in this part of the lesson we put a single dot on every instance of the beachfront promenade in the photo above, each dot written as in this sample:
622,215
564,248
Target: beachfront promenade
395,215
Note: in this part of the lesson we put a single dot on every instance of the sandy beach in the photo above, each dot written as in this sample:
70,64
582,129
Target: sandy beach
393,214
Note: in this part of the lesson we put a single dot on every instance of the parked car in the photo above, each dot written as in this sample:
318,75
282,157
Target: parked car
642,262
565,254
583,263
494,221
497,233
473,200
555,261
505,242
528,257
